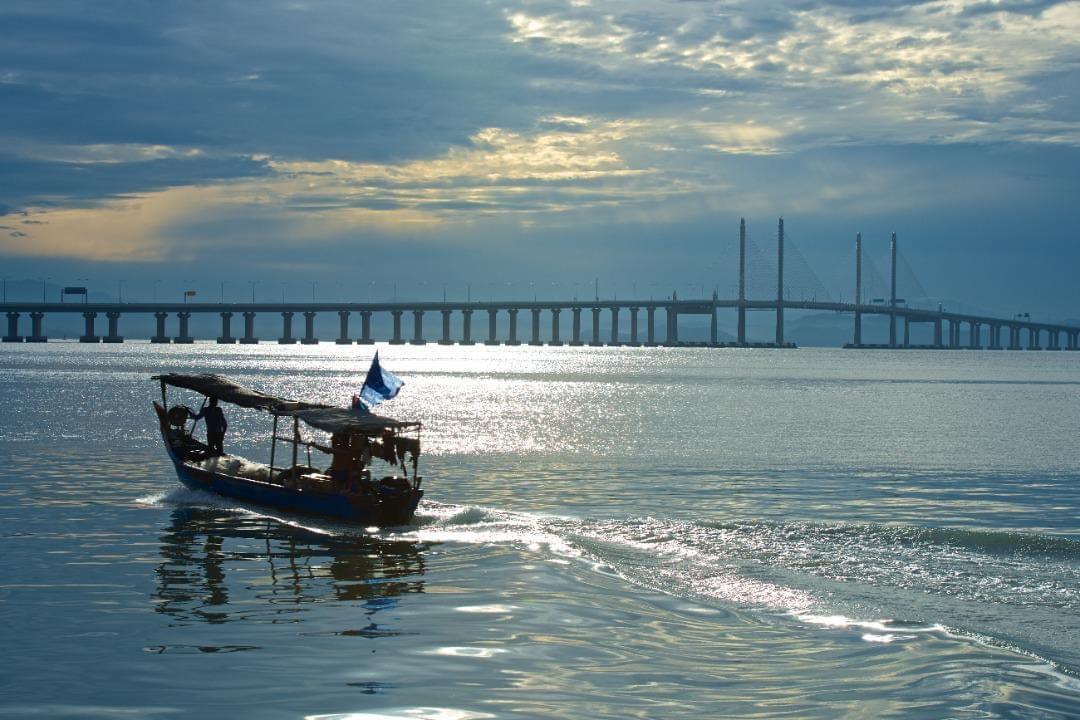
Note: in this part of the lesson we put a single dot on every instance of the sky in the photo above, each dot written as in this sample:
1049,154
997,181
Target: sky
494,149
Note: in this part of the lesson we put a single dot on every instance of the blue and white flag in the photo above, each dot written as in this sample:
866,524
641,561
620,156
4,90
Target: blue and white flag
380,384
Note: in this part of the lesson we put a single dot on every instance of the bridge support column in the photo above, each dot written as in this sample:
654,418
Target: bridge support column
114,328
937,333
994,339
466,327
856,340
36,335
780,325
492,327
576,327
184,338
1070,339
365,328
596,328
226,337
88,335
445,339
13,328
672,327
343,337
159,335
309,329
907,331
418,328
555,327
712,323
975,336
535,327
286,329
954,334
615,327
1033,338
512,340
1052,340
650,326
633,327
1014,338
249,329
396,338
740,333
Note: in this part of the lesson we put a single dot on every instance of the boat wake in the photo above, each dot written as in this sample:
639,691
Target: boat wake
889,584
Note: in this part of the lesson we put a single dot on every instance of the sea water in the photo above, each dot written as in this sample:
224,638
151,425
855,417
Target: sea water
606,533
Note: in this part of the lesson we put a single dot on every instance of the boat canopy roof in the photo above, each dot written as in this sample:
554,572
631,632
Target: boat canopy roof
318,415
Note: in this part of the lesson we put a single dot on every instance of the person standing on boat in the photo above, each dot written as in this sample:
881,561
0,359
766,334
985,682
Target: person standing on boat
215,426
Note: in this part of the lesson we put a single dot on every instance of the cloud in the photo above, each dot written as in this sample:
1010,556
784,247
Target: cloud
180,132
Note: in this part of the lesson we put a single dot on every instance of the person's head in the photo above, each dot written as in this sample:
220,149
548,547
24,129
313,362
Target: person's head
213,402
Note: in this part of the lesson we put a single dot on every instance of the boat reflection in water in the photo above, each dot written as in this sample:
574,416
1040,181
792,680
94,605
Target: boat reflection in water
219,567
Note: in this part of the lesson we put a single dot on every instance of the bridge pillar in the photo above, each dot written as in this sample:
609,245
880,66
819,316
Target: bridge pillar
1033,338
937,332
596,328
650,326
1014,337
343,336
113,317
365,328
633,327
159,335
396,337
907,331
88,335
615,327
13,328
513,327
856,340
975,336
466,327
36,335
954,334
445,339
249,329
226,337
184,338
712,323
418,328
576,327
1052,341
492,327
309,329
555,327
780,324
672,326
286,329
994,339
535,327
1070,339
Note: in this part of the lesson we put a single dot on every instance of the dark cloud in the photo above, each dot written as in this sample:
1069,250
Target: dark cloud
1017,7
339,79
25,182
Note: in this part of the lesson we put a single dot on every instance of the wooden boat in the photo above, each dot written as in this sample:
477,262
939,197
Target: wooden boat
345,490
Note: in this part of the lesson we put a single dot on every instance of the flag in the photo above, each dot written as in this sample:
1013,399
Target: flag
380,384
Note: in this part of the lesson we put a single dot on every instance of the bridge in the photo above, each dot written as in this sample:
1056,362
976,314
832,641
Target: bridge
545,318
